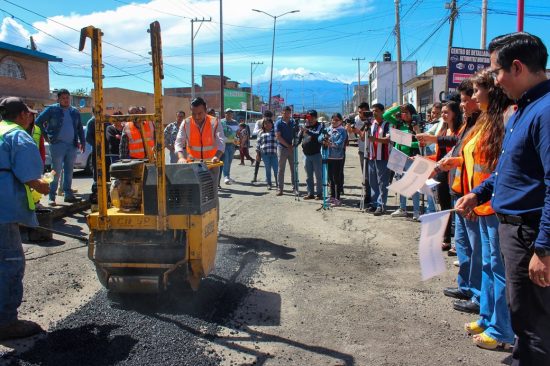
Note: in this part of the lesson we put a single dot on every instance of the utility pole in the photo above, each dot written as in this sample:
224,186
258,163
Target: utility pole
454,13
193,35
483,24
521,13
398,46
358,78
222,80
252,94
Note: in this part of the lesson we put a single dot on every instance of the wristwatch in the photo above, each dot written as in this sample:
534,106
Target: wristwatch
542,251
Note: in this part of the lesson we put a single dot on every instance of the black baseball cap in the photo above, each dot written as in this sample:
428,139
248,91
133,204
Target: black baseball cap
14,105
312,113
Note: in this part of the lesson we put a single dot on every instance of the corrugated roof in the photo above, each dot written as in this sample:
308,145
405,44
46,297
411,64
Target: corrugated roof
29,52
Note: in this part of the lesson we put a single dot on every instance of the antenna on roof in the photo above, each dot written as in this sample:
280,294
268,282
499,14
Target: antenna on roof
33,45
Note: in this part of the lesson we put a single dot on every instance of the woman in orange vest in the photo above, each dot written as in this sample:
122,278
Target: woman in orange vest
133,142
480,153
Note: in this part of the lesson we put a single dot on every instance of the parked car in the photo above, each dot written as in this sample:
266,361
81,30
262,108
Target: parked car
83,160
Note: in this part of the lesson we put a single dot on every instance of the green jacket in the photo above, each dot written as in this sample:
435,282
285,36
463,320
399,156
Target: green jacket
389,115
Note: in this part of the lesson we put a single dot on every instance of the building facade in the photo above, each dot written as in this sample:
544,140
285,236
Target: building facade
424,90
25,73
383,80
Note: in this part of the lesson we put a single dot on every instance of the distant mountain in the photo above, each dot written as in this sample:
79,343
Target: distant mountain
322,95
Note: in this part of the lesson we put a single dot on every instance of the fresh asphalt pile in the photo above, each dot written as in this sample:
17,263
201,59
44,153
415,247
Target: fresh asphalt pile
168,329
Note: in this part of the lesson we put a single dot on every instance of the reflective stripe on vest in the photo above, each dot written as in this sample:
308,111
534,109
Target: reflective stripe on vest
6,127
201,145
135,142
36,135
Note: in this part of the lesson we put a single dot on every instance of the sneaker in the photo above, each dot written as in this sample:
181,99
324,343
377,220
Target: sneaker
279,193
309,197
269,187
370,209
232,180
227,181
379,211
52,203
19,329
399,213
416,217
71,199
336,202
456,263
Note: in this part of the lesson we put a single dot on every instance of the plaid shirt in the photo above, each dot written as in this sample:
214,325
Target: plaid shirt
267,143
170,134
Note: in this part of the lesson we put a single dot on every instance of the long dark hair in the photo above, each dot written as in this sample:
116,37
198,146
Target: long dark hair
456,123
490,124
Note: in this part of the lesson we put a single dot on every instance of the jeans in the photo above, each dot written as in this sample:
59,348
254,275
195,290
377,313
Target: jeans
12,269
431,205
313,165
227,159
284,154
379,175
270,162
468,251
529,304
63,157
494,313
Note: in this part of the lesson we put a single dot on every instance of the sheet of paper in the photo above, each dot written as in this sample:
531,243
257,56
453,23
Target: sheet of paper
397,161
400,137
414,178
429,247
429,187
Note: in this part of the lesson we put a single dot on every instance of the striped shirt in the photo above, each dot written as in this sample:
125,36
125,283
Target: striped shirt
377,150
267,142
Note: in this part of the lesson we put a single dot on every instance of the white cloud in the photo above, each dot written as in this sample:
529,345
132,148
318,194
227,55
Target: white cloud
126,26
14,33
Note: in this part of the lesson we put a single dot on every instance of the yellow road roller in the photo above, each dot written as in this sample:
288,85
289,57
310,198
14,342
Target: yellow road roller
157,225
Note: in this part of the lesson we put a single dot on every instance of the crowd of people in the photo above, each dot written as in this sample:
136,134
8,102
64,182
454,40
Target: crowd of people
490,142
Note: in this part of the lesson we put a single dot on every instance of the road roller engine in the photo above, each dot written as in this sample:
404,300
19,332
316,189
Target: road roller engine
160,229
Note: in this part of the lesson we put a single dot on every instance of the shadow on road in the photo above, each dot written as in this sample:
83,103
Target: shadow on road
73,346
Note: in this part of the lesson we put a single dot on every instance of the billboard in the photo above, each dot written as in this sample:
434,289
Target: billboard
464,62
233,98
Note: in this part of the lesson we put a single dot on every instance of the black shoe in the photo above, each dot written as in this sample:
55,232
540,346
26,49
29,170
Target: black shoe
456,293
309,197
451,252
379,211
19,329
71,199
371,209
466,306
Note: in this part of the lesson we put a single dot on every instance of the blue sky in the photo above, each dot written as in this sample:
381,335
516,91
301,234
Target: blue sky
318,42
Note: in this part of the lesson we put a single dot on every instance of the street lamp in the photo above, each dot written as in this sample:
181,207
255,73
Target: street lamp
273,47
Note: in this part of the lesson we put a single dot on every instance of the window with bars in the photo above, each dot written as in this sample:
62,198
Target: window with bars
11,69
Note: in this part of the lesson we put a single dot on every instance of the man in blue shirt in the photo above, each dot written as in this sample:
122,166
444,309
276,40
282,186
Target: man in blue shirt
63,127
284,133
519,190
20,169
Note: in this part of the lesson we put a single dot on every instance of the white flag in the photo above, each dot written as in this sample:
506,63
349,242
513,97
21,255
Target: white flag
414,177
400,137
397,161
429,248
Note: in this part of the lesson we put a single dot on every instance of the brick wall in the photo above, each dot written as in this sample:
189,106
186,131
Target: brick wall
35,86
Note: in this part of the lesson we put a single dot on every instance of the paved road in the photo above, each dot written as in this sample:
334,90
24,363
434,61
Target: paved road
292,286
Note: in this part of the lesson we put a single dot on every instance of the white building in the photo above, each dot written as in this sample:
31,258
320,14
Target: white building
383,80
424,90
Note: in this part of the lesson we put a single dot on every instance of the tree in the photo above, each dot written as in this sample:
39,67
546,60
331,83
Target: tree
82,92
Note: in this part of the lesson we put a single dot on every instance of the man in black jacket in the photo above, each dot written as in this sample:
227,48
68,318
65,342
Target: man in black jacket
309,135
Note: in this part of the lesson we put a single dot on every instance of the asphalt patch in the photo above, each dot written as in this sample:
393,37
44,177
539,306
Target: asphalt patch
169,329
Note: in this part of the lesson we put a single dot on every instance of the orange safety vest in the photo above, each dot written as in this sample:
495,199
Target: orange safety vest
135,142
201,144
461,183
